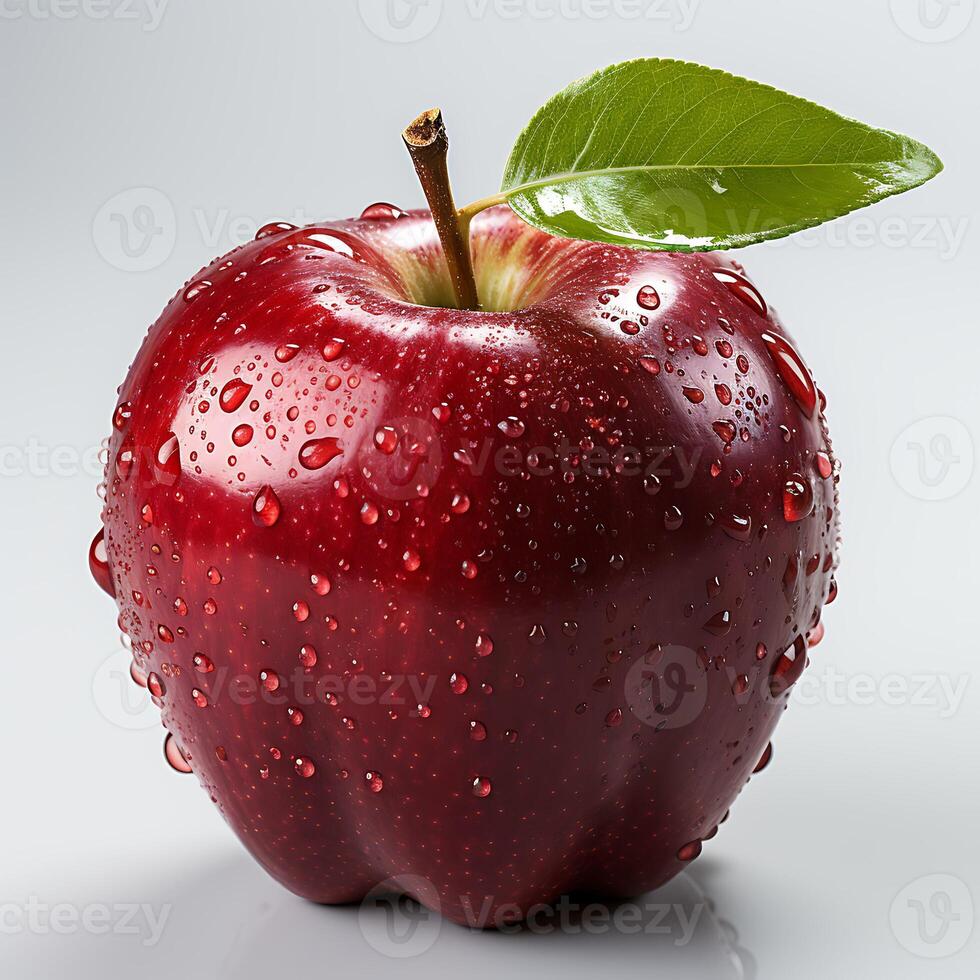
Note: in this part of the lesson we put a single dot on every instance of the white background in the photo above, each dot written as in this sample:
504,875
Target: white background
229,113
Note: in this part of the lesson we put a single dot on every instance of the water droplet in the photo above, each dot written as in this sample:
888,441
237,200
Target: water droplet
484,645
411,560
174,755
725,431
195,289
458,683
234,394
369,513
468,569
199,697
614,718
788,668
385,439
478,731
537,635
824,466
793,371
332,349
155,685
320,583
242,435
307,655
98,563
673,518
286,352
650,364
301,611
481,786
742,289
723,394
764,759
797,498
375,782
203,663
736,526
720,624
689,851
693,395
381,211
316,453
629,327
266,507
273,228
511,427
122,415
269,680
295,716
166,466
304,767
648,298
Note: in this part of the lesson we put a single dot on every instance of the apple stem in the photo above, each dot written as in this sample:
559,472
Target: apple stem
427,143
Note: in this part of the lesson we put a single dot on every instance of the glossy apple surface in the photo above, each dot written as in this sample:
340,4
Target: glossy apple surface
507,601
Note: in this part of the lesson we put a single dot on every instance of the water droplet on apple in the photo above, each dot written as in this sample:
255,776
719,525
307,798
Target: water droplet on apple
304,767
511,427
764,759
481,786
307,655
788,668
166,465
484,645
316,453
233,394
203,663
98,563
797,498
742,289
332,349
273,228
266,507
648,298
385,439
195,289
375,782
286,352
458,683
242,435
174,755
793,371
689,851
269,680
381,211
478,731
720,624
824,466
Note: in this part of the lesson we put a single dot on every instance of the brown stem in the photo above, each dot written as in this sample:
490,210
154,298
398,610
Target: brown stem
428,147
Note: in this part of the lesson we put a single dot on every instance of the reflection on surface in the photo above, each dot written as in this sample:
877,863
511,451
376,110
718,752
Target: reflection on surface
228,920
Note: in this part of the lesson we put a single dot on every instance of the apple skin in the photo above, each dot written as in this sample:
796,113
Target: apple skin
577,578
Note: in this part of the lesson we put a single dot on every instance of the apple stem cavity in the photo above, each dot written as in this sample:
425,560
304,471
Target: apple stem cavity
427,143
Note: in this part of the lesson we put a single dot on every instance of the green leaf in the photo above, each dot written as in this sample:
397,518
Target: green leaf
663,154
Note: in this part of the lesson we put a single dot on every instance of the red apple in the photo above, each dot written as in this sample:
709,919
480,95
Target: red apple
506,600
